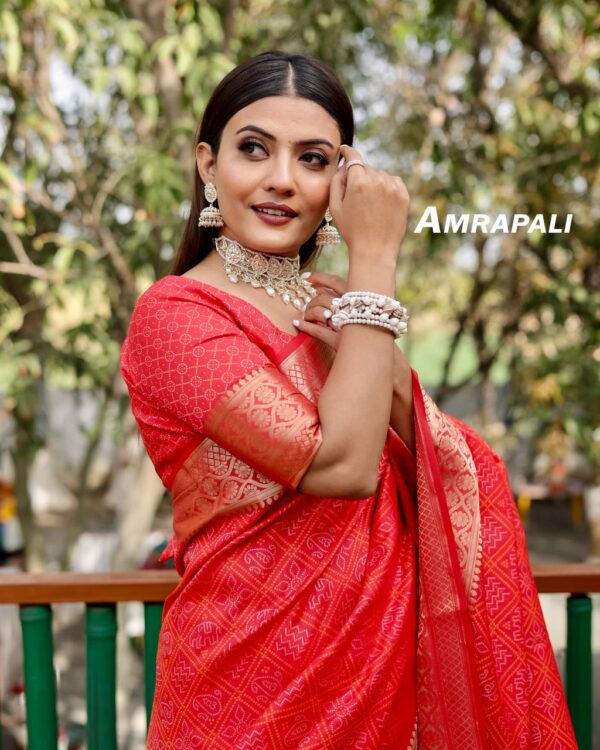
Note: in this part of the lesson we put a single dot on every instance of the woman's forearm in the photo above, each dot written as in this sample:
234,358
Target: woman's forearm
401,417
355,402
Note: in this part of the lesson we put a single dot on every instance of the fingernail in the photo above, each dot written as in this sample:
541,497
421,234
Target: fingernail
306,274
327,314
296,322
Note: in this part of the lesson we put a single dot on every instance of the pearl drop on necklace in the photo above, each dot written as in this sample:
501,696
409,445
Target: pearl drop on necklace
276,274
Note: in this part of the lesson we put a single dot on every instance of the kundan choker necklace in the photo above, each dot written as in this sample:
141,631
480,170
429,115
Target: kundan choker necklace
277,274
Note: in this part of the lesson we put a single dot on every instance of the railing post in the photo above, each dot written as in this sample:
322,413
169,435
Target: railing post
101,632
152,622
579,667
40,679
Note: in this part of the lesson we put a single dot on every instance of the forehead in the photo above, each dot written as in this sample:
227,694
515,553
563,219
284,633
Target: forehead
288,118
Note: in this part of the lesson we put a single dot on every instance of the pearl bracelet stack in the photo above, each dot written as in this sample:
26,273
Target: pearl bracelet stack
369,308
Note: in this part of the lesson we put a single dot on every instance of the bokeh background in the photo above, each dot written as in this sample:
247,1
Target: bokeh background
488,106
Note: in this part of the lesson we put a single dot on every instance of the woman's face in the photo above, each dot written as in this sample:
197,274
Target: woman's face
273,166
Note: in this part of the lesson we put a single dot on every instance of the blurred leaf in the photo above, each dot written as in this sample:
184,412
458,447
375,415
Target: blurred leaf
127,80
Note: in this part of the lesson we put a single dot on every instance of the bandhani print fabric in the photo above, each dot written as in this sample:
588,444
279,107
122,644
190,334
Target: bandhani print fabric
407,619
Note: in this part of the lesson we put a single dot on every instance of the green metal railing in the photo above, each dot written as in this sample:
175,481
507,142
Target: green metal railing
36,622
101,591
579,678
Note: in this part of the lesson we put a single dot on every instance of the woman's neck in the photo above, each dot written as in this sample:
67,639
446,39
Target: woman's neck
276,253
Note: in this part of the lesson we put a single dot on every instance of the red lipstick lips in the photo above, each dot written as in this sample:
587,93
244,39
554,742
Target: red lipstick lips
277,207
274,218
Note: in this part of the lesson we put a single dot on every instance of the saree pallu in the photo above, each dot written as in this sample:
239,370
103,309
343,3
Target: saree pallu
408,619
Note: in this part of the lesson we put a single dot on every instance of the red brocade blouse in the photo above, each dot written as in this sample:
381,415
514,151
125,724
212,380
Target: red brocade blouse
188,343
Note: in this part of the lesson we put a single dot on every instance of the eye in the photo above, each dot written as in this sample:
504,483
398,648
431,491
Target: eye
322,160
249,143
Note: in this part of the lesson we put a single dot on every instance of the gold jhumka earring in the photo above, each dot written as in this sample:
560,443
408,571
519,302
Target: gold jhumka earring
327,235
210,216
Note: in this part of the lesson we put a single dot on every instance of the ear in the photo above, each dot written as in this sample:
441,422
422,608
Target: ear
205,162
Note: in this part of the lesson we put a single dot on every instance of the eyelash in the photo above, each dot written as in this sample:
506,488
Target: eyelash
250,142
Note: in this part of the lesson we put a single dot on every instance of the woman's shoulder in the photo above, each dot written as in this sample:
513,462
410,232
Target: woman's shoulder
178,295
172,314
174,304
175,288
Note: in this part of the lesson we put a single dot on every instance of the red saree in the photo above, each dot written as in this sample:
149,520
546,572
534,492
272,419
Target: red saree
408,619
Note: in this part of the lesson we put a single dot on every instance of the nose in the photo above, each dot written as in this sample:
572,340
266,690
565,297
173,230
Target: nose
280,176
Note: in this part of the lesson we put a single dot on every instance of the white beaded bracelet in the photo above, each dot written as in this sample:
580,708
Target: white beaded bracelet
370,308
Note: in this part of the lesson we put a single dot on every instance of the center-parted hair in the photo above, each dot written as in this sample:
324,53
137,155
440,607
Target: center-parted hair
271,73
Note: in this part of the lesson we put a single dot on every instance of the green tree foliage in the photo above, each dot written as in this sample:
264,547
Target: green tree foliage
494,108
100,104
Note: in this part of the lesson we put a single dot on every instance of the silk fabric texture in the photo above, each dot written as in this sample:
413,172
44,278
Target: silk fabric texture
407,619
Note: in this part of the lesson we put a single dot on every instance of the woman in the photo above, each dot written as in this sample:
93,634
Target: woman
354,572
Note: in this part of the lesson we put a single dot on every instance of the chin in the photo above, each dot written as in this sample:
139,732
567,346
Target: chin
272,242
276,247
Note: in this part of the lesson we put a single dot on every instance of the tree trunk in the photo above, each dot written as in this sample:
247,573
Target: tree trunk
139,501
32,542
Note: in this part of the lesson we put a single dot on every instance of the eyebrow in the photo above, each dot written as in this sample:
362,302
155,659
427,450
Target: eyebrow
306,142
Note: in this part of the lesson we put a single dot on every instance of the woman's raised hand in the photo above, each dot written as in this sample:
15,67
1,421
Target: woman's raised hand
314,321
370,209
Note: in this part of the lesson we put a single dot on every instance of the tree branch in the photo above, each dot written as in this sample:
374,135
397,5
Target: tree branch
528,31
15,243
30,269
463,318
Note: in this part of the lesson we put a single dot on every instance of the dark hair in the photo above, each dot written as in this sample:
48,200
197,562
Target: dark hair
272,73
